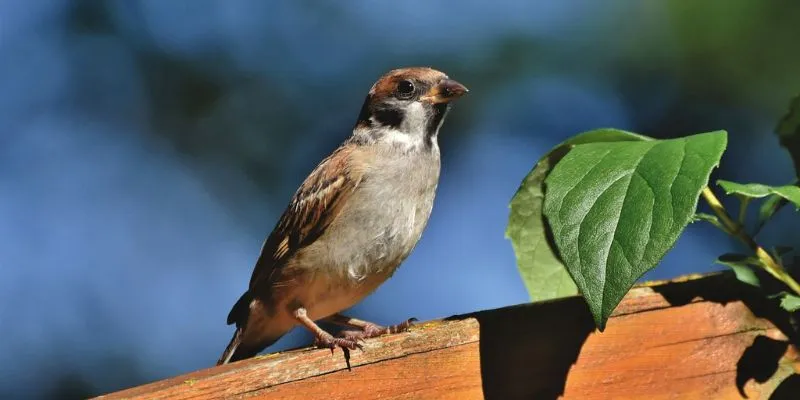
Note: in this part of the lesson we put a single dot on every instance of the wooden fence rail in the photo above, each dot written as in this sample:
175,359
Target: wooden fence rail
707,337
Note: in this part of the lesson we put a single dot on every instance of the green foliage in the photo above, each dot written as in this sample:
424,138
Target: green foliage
541,269
770,206
757,190
711,219
777,197
741,266
790,302
616,208
607,205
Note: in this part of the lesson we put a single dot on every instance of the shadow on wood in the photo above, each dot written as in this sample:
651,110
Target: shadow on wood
530,358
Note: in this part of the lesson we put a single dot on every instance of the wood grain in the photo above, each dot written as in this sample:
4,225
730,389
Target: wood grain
693,338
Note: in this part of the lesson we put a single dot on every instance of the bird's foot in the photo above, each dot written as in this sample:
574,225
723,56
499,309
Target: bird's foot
371,330
327,341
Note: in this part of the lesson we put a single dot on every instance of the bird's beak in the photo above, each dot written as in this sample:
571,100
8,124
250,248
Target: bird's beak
444,92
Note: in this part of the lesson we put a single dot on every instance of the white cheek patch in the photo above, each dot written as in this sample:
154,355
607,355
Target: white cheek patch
415,119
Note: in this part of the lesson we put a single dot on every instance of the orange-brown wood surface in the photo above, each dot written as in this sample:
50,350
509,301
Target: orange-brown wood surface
694,338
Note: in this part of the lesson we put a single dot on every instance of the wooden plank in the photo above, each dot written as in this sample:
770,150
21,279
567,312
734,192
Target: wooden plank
688,351
445,374
697,338
250,376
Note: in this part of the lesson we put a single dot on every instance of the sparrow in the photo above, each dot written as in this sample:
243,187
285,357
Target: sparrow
353,220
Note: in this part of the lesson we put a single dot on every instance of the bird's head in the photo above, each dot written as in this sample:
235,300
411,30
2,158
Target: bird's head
408,105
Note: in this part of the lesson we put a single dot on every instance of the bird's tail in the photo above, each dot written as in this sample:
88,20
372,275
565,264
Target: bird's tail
240,347
230,351
239,315
239,350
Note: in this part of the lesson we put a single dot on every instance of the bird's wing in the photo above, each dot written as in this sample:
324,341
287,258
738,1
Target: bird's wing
314,206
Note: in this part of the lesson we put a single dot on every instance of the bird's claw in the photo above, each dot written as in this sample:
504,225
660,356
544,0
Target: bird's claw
330,342
373,330
357,336
403,326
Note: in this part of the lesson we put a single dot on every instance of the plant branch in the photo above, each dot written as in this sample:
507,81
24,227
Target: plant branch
736,229
745,201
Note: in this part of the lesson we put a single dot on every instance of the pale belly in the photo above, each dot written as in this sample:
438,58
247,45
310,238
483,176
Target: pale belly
325,297
359,259
321,295
371,240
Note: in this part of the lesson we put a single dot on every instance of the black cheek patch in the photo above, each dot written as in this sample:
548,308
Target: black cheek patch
388,117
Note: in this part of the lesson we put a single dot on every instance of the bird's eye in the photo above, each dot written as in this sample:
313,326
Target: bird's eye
405,89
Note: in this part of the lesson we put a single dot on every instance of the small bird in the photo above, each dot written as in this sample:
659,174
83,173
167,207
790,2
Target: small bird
351,223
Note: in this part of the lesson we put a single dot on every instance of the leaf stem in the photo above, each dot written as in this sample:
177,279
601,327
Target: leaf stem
736,229
745,201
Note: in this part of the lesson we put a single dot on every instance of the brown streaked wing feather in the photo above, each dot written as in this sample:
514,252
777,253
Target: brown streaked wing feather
314,206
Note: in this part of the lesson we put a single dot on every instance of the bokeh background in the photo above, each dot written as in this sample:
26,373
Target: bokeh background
147,147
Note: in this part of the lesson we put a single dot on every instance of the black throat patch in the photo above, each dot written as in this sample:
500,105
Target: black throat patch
437,115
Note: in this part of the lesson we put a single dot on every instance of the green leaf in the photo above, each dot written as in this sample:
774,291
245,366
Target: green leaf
771,205
737,259
742,267
745,274
753,190
788,192
712,219
539,266
790,302
757,190
788,131
615,209
541,270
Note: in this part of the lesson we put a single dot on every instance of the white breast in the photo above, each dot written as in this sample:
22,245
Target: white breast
377,229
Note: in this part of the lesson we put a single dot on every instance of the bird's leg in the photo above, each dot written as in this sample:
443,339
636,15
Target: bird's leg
367,329
324,339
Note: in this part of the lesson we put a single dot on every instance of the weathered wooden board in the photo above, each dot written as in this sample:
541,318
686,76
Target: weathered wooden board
694,338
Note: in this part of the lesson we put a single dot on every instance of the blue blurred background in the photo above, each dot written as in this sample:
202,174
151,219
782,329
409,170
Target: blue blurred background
147,148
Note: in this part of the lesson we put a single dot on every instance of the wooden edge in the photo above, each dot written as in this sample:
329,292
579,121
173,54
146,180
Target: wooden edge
278,368
733,309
